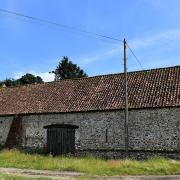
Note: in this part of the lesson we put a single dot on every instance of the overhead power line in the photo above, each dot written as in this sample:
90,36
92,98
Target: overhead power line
97,35
60,25
137,59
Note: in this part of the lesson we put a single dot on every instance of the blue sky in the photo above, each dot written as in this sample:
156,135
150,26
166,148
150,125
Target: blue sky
151,27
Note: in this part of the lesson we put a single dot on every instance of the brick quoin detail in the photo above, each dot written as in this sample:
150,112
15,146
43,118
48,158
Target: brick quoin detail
14,137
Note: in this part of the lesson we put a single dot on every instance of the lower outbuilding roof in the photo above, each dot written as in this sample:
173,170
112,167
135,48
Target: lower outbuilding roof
146,89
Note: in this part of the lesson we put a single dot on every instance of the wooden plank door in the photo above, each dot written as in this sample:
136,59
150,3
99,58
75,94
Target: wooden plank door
60,141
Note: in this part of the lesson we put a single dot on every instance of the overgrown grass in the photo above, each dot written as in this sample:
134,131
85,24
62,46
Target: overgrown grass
90,165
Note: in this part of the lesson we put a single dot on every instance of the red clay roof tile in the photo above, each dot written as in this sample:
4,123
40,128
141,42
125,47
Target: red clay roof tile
146,89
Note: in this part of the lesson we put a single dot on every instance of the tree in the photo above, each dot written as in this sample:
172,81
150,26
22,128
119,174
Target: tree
30,79
26,79
67,70
8,82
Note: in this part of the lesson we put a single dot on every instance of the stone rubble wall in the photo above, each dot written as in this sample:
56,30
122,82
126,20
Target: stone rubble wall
149,130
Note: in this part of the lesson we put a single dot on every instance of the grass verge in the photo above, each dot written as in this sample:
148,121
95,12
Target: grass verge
90,165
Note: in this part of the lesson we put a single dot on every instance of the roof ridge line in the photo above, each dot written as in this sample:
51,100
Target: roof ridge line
97,76
112,74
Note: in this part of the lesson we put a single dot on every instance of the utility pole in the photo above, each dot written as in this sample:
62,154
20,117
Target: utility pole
126,103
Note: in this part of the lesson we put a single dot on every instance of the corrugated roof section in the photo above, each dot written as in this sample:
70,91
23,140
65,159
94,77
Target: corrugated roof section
146,89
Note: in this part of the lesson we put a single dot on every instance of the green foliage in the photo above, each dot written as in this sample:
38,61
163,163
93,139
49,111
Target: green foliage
30,79
9,82
26,79
67,70
90,165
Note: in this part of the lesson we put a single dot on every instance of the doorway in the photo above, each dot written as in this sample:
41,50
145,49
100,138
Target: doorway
61,139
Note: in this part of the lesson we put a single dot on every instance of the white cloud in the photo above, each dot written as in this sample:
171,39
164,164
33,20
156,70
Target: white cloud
152,40
46,76
155,39
99,56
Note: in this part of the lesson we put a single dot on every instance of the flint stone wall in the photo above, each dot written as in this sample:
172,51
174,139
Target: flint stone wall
149,130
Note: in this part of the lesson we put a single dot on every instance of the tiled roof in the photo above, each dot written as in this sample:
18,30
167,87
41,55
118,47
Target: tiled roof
146,89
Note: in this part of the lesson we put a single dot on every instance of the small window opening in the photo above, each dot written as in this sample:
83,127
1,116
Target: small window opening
106,135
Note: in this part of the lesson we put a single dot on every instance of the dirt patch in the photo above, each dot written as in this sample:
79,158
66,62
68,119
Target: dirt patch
75,175
40,173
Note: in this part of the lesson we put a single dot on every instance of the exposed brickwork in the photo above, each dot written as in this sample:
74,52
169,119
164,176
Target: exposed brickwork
5,124
14,138
150,88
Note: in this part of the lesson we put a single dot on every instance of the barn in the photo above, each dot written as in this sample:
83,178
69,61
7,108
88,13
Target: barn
86,115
